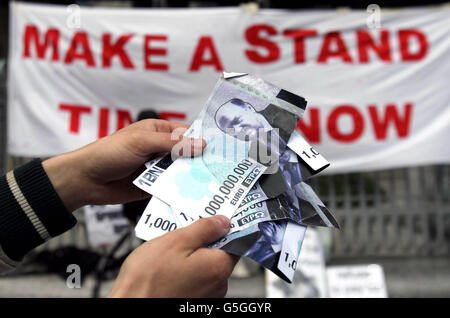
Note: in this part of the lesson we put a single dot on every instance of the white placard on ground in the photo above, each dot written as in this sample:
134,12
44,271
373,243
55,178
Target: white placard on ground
104,223
356,281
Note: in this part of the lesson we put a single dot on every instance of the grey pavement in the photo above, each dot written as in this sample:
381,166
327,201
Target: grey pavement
54,286
415,277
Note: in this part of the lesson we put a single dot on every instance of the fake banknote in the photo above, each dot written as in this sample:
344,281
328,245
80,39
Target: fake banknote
156,220
265,243
252,171
299,162
275,244
300,205
236,113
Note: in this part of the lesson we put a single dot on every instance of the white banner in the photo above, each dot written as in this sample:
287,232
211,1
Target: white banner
376,83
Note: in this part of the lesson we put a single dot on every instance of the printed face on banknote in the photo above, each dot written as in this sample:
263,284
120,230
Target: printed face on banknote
268,244
239,119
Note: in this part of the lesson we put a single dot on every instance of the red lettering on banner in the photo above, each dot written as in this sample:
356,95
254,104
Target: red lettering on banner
123,119
103,122
391,115
365,41
172,115
358,123
75,112
404,37
205,44
311,131
51,37
149,51
253,37
327,52
123,116
80,39
413,46
381,120
110,50
299,36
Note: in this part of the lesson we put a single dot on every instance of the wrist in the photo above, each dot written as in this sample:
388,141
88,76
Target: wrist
63,173
128,287
133,280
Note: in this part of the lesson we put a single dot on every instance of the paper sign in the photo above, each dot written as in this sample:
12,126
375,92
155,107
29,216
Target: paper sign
358,281
104,223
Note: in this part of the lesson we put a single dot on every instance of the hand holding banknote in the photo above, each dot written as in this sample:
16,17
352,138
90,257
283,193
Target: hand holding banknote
174,265
102,172
177,265
252,171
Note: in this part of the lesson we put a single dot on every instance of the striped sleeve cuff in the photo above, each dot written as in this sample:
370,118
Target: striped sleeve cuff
31,211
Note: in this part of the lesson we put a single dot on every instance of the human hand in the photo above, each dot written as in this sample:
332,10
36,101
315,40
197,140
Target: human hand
102,172
176,265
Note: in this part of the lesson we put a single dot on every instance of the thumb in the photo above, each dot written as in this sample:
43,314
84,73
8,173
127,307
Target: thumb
204,231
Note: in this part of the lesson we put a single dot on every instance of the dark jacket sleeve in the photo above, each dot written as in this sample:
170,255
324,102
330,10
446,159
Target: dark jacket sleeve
31,212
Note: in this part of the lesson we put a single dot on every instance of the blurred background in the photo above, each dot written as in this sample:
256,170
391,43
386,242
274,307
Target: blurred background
395,218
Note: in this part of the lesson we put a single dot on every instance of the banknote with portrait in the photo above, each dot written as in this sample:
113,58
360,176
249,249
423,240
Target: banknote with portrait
274,245
247,124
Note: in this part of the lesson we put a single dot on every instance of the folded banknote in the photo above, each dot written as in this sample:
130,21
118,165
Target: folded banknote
292,170
247,124
274,245
301,206
252,171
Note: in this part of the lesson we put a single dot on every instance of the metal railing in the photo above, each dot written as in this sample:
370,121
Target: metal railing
392,213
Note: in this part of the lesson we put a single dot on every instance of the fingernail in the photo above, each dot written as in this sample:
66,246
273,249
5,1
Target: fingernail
224,221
